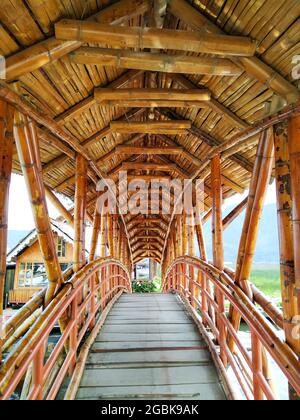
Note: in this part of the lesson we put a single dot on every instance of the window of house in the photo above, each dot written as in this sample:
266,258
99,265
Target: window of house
32,275
61,248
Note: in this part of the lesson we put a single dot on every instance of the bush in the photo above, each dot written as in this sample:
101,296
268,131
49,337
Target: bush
146,286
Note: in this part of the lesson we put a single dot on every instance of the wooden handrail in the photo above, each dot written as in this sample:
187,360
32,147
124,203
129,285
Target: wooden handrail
264,337
104,279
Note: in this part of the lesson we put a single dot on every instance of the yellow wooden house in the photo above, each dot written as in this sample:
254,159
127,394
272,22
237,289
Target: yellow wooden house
30,275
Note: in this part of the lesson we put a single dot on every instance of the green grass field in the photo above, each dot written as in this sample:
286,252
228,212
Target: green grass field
267,278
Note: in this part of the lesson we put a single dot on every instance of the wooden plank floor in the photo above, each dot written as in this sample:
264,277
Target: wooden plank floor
149,348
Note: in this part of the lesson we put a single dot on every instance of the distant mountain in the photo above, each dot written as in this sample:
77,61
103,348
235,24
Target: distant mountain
14,237
267,250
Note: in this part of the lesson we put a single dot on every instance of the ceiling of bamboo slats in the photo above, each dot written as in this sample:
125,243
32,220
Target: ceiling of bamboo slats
61,88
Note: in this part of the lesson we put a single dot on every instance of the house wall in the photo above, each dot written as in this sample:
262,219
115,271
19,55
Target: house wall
33,254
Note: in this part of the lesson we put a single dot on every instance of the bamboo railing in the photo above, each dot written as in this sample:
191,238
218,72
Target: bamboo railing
250,368
103,280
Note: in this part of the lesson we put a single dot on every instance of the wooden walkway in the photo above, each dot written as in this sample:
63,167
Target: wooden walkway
149,348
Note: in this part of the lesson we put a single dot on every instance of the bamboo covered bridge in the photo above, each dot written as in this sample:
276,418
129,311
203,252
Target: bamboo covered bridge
162,90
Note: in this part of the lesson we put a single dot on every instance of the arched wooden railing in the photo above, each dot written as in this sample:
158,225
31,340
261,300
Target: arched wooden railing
82,304
198,282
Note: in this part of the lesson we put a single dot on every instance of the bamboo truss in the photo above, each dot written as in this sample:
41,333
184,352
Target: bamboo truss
25,134
155,62
80,213
6,155
253,65
51,50
166,39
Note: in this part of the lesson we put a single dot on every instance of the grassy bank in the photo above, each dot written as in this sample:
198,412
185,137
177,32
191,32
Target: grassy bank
267,278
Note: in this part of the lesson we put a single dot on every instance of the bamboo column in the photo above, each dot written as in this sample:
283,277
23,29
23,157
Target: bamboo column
6,153
258,188
80,213
218,246
59,206
103,234
294,150
95,235
285,226
28,149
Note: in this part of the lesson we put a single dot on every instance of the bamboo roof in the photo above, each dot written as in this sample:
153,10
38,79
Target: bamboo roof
64,89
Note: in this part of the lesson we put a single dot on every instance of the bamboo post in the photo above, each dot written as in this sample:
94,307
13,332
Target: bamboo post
95,235
6,153
59,206
80,213
218,246
294,150
257,367
285,228
258,188
28,149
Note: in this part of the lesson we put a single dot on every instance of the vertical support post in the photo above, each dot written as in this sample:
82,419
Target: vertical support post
285,228
28,149
258,189
218,246
294,149
257,366
6,152
80,213
294,306
95,236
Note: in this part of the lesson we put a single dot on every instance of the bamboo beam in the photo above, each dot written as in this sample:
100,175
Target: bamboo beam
208,139
234,213
155,62
294,151
253,65
28,149
216,106
79,213
165,39
59,206
89,142
151,103
48,51
285,230
140,150
153,127
81,107
181,95
23,106
145,166
6,155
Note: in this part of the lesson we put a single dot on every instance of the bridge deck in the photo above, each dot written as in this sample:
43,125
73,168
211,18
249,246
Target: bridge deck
149,348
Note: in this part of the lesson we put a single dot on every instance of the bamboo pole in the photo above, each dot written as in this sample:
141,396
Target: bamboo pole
294,150
95,236
285,228
258,188
59,206
252,65
166,39
218,246
28,150
80,213
6,154
49,51
165,63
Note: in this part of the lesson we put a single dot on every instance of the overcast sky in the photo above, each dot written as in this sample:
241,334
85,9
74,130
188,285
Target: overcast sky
20,216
